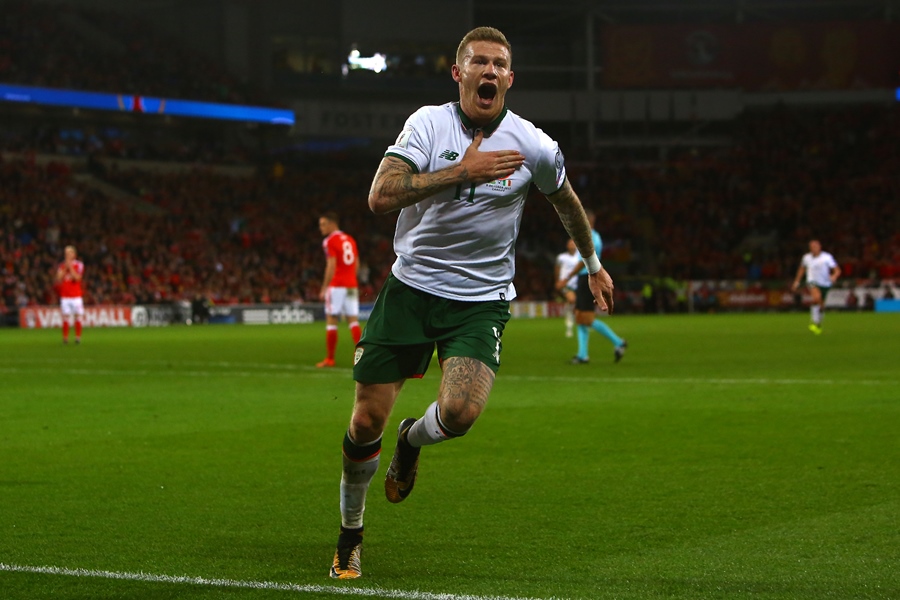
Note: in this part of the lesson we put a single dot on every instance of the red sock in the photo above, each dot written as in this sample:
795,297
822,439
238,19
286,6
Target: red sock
78,329
66,329
331,337
355,331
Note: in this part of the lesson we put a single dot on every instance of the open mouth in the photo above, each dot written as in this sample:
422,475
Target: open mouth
487,91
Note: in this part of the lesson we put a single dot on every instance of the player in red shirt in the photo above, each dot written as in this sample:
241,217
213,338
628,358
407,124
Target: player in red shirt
68,278
340,290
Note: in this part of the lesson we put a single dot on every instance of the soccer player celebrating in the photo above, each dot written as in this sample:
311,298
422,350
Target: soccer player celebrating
822,271
567,265
459,174
71,304
340,290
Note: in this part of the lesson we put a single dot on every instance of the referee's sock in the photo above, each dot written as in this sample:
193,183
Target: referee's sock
584,333
607,332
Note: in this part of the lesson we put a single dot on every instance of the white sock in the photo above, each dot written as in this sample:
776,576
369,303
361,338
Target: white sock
357,474
815,314
570,319
429,430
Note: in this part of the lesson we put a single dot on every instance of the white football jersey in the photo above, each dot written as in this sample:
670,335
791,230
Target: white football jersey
818,268
568,263
460,243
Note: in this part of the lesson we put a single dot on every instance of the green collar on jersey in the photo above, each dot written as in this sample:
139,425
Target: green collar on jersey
487,129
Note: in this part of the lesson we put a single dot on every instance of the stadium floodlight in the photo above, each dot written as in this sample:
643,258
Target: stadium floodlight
377,62
145,104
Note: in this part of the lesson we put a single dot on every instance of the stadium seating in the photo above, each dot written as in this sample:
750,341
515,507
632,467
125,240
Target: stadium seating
744,211
741,213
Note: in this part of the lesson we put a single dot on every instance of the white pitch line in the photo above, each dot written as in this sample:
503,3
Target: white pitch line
374,592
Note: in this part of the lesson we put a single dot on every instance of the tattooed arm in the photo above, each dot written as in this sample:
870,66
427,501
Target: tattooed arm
571,213
396,186
573,218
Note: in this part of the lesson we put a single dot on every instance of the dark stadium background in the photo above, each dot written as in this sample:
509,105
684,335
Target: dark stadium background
727,456
714,138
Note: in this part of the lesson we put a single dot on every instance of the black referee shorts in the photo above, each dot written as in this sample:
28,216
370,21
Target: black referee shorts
584,299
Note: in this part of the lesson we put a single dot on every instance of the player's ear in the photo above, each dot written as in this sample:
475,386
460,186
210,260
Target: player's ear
512,76
455,72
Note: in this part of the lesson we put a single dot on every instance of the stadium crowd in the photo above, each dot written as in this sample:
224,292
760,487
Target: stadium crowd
231,239
747,211
743,212
103,141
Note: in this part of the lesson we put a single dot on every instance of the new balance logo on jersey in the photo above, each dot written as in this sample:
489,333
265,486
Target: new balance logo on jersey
449,155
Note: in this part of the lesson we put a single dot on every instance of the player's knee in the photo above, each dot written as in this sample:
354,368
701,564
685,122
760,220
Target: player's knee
457,419
371,411
366,426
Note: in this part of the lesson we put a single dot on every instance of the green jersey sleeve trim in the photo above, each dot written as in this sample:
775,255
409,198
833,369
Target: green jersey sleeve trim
415,168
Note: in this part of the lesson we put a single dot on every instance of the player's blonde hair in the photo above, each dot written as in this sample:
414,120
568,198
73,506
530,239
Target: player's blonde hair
482,34
72,248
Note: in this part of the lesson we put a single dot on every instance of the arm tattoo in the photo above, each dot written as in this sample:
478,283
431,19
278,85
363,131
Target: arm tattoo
573,217
465,387
396,186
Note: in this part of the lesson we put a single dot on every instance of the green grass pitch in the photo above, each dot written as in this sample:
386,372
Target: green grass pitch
727,456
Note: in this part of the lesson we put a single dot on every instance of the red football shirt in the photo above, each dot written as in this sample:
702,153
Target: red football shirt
343,248
69,287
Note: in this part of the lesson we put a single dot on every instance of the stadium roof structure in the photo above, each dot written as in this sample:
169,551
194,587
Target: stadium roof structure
643,11
667,11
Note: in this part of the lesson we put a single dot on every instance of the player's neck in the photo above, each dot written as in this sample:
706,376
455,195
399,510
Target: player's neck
476,119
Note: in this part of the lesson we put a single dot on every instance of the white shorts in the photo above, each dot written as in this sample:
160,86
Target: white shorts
71,306
342,301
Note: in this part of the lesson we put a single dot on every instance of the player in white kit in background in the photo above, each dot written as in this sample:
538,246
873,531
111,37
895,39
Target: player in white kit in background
822,271
568,262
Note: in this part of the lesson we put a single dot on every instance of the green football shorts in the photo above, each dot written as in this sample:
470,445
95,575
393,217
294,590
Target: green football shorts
407,323
822,289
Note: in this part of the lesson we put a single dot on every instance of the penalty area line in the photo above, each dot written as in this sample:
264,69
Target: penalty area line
336,590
